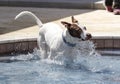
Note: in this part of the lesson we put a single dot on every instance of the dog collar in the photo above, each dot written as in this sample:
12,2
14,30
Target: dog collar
68,43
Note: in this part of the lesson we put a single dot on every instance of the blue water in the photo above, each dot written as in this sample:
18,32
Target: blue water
87,69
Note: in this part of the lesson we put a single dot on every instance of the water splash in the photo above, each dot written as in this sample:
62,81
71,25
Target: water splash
85,49
89,67
86,58
25,57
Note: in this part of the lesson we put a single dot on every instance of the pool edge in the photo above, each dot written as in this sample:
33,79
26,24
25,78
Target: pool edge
28,44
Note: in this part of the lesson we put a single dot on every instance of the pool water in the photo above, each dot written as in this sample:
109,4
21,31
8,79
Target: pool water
88,68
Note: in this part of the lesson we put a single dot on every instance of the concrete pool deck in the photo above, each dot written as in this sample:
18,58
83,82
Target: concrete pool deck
22,33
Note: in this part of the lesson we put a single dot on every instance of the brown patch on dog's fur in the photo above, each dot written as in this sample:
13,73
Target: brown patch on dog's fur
73,29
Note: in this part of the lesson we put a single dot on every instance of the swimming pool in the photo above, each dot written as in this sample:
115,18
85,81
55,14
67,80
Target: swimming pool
88,68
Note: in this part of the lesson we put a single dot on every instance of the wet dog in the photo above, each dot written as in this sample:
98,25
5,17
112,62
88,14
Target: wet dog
53,39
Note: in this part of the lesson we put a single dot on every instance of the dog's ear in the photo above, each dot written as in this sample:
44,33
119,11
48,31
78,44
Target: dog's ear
74,20
66,24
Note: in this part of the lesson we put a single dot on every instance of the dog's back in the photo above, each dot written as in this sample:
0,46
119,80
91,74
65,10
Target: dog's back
51,29
52,33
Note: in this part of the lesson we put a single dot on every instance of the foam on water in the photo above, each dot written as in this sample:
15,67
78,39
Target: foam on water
89,67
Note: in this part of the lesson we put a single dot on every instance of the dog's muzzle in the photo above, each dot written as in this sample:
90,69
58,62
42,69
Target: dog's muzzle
88,36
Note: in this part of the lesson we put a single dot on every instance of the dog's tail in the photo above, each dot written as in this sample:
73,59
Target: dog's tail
31,15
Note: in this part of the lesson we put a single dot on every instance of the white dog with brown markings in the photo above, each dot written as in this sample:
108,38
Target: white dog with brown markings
53,39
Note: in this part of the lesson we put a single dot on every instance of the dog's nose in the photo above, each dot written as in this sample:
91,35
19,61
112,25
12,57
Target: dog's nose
89,36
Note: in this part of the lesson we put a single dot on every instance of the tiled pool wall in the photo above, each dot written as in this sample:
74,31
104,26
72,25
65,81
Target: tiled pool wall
17,47
22,46
107,43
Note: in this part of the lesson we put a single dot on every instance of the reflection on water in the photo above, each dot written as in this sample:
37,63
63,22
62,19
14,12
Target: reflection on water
88,68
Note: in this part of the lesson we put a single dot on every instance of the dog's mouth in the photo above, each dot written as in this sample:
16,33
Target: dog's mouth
88,37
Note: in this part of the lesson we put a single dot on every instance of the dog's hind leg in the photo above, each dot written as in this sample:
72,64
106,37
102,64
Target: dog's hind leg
43,47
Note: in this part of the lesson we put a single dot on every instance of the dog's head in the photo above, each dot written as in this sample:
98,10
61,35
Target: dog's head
75,30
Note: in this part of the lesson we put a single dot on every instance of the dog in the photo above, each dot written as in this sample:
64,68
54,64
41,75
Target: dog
53,39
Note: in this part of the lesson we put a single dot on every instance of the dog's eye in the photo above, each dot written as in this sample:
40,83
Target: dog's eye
84,28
